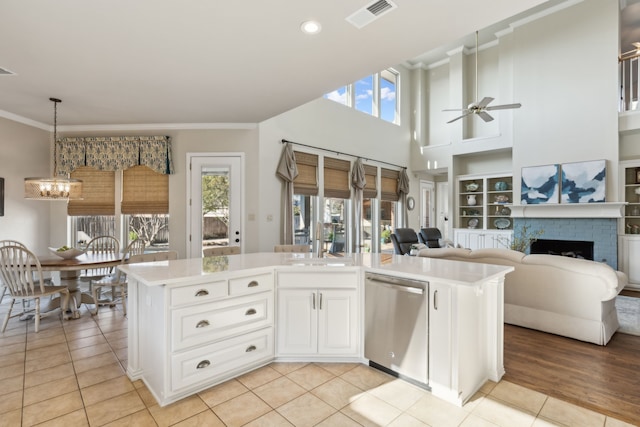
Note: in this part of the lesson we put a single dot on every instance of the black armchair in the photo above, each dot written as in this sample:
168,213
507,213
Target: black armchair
402,239
430,237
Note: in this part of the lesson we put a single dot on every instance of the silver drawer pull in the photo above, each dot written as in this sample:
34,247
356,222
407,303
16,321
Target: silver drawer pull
252,284
250,312
202,293
203,364
202,324
251,348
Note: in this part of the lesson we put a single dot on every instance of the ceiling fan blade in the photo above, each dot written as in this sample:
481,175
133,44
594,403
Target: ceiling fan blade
504,107
455,109
459,117
485,101
485,116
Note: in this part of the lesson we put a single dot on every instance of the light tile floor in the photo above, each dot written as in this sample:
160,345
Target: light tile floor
72,373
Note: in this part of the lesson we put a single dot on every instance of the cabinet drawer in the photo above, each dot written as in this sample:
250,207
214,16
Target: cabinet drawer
251,284
217,359
327,279
199,293
209,322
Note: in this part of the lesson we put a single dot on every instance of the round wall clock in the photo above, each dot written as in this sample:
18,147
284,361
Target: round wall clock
411,203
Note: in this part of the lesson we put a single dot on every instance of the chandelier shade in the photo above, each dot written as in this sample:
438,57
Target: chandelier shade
56,188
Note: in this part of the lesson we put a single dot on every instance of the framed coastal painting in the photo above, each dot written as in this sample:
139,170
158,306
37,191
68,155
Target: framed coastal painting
540,185
583,182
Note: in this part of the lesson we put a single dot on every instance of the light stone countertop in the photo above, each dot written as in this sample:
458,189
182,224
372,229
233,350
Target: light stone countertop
193,270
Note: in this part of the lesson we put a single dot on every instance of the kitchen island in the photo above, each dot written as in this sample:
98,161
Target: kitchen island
194,323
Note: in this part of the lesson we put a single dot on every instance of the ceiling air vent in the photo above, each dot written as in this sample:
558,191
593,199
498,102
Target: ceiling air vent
5,72
370,13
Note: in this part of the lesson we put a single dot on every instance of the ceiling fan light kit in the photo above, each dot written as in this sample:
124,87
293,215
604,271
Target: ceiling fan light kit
481,107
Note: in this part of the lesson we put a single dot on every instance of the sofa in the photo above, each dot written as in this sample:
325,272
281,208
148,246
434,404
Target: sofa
565,296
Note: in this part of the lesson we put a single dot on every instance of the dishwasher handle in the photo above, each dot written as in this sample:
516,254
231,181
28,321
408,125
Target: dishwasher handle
401,288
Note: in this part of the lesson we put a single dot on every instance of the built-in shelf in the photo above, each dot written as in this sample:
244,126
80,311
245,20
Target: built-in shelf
570,210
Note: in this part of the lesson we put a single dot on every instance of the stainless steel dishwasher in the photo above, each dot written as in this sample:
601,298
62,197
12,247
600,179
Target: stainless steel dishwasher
397,326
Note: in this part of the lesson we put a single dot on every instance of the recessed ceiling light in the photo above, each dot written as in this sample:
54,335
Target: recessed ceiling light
310,27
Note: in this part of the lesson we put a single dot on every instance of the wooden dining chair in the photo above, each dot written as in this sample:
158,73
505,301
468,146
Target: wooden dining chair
117,281
22,275
221,250
101,245
9,242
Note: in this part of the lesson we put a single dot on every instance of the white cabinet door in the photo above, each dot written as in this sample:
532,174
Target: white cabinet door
629,248
470,239
297,324
338,321
440,344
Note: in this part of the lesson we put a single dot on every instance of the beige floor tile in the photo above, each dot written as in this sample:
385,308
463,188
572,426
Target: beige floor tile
44,334
566,413
368,410
241,409
116,335
398,393
9,385
12,348
84,352
338,419
10,359
365,377
406,420
47,351
54,360
11,401
503,414
49,390
178,411
203,419
310,376
279,391
258,377
51,408
83,333
337,368
436,412
45,342
106,390
11,419
138,419
270,419
306,410
47,375
86,342
94,362
8,371
221,393
121,353
612,422
518,396
337,393
146,396
95,376
115,408
475,421
76,419
285,367
119,344
16,339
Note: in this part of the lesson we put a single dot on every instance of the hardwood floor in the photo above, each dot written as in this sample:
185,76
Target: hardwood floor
605,379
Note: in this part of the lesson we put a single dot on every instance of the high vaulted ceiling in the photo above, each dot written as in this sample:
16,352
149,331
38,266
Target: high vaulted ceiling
126,62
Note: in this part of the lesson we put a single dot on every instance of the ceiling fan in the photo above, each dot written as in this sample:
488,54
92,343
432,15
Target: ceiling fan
481,107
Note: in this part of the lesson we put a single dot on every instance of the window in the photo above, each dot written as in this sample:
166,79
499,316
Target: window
375,95
388,206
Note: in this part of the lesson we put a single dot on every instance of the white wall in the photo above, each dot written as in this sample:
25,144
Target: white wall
25,153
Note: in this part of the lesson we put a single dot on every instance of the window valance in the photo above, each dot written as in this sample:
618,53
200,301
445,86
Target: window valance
114,153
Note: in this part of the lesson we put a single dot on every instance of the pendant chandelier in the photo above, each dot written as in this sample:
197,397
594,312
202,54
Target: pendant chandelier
58,187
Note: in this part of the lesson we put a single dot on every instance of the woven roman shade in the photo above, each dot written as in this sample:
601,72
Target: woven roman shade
144,191
306,183
370,189
389,184
98,192
336,178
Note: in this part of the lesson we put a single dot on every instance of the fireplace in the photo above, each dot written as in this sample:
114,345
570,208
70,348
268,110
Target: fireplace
568,248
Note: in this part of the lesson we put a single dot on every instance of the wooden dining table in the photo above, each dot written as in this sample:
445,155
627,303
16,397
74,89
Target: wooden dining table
70,270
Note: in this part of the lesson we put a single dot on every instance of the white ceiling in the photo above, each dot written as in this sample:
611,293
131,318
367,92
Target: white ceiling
125,62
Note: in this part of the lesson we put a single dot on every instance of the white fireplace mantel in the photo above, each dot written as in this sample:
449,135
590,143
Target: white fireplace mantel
570,210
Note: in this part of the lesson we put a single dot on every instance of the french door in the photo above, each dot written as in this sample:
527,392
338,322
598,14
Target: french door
215,201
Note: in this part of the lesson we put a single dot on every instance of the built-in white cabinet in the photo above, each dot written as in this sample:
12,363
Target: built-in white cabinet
483,211
628,255
317,314
629,225
201,333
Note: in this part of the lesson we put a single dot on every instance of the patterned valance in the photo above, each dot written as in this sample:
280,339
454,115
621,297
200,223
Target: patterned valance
114,153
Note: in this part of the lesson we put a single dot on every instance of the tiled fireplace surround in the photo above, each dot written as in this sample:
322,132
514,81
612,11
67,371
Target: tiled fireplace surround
591,222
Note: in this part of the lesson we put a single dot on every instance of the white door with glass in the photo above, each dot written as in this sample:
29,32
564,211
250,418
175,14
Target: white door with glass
215,195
